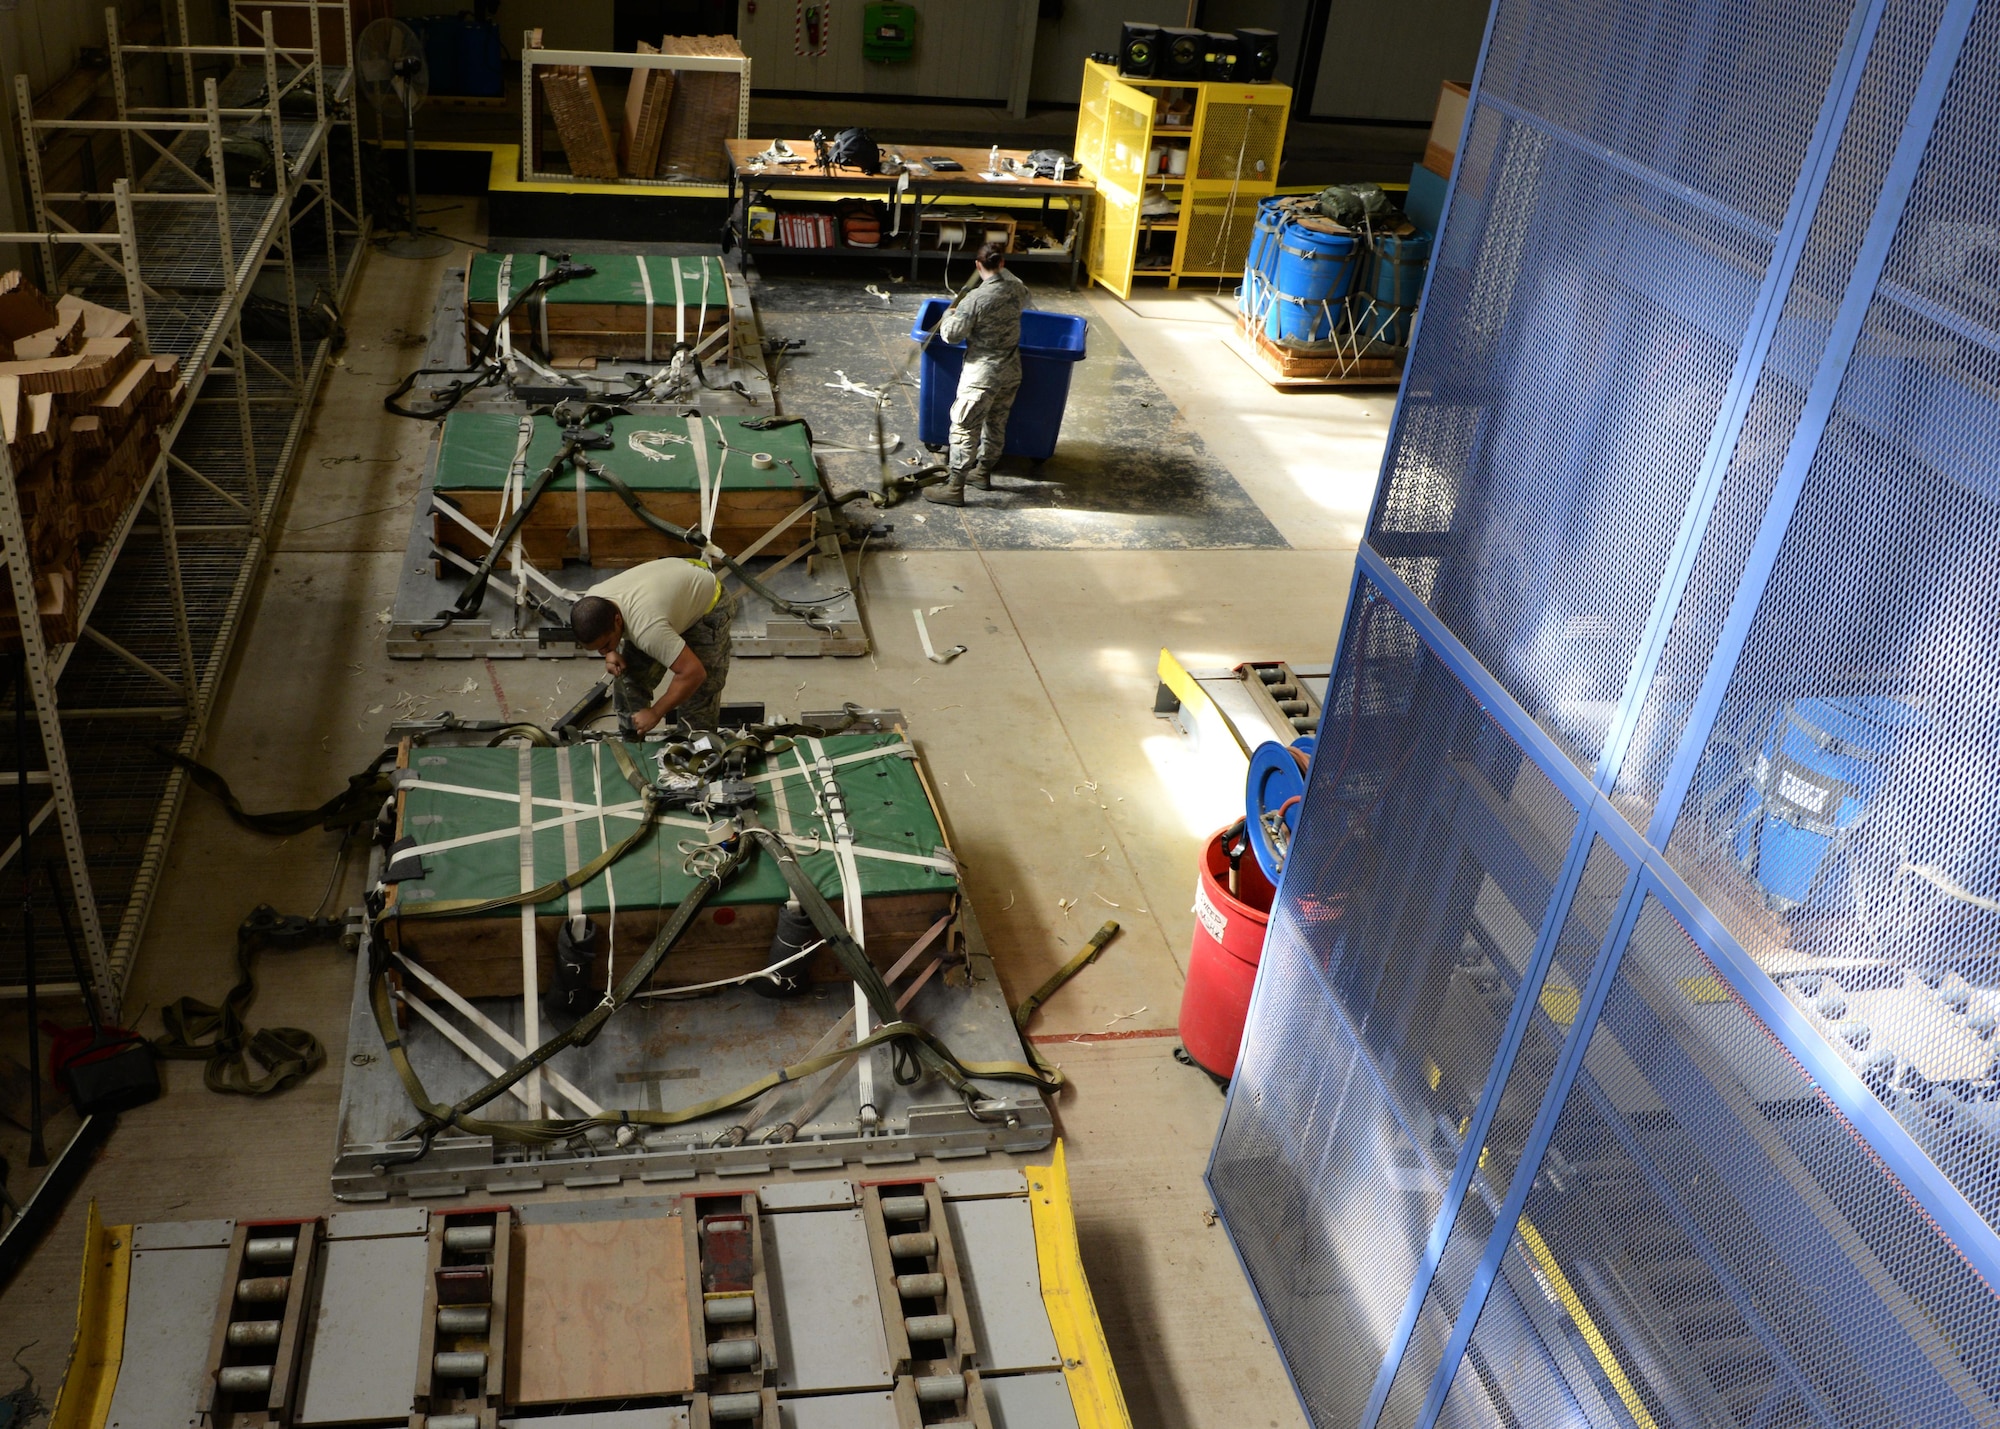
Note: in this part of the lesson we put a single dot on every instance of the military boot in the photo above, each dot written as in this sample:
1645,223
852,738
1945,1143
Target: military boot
949,492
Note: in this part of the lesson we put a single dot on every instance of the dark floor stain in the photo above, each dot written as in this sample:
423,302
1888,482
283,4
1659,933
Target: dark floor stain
1128,472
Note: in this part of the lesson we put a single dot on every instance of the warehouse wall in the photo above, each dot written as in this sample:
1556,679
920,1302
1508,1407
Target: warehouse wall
963,51
1387,61
43,39
565,24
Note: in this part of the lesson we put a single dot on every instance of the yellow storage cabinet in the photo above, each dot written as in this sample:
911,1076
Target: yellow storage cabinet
1229,139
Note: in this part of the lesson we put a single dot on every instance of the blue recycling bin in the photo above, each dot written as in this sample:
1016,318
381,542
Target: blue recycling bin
1051,345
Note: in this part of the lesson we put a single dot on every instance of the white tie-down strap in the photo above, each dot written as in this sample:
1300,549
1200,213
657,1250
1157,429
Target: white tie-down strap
531,992
445,508
701,314
646,285
500,285
833,805
711,491
501,1037
680,306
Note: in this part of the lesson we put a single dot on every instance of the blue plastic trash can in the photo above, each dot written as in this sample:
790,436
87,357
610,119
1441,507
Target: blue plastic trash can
1051,344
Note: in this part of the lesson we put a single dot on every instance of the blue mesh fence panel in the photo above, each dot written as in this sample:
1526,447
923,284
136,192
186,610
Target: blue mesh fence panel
1695,477
1397,949
1708,1241
1833,239
1588,302
1841,820
1578,945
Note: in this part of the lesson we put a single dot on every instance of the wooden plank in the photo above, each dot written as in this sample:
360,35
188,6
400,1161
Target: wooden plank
646,101
580,123
610,1314
469,956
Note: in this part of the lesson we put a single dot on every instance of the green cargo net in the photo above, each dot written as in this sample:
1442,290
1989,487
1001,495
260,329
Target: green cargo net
650,453
463,809
621,278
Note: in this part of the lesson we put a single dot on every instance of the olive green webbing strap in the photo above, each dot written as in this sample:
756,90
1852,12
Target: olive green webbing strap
356,804
1049,989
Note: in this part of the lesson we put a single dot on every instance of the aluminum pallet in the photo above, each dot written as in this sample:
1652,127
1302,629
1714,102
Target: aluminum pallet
958,1298
678,1052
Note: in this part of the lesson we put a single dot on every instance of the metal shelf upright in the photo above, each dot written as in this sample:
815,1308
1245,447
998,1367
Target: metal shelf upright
186,252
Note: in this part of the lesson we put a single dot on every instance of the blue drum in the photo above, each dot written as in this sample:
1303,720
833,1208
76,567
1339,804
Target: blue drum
1315,269
1262,265
1392,278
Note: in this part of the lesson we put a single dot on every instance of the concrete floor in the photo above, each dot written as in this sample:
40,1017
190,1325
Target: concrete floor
1054,695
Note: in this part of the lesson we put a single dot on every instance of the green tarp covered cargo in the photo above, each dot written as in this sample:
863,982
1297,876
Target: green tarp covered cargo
469,814
724,485
631,307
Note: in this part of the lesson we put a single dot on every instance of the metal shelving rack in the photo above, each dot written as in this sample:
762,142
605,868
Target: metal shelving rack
160,601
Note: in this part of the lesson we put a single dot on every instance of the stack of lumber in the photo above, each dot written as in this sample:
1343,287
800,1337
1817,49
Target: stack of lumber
82,405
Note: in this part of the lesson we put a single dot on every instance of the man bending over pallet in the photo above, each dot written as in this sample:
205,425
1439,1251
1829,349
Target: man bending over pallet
663,630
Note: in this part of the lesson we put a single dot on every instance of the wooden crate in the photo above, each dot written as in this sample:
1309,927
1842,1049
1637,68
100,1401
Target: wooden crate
617,537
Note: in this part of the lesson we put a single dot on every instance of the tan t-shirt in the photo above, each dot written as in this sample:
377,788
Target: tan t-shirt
659,600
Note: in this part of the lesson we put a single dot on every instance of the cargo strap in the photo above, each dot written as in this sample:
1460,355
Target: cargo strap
200,1032
646,284
1084,958
917,1050
680,308
505,336
542,305
356,804
812,615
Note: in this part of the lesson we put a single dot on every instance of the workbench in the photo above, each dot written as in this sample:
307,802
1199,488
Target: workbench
909,194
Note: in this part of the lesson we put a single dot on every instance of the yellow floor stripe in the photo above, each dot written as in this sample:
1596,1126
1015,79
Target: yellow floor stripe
84,1401
1600,1348
1087,1368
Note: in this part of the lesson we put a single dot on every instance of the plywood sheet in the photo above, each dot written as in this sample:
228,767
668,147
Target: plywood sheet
604,1312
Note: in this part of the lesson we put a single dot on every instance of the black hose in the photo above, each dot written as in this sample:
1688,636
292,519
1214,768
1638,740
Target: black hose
481,363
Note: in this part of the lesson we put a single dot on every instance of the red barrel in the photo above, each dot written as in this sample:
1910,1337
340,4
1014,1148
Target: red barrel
1222,965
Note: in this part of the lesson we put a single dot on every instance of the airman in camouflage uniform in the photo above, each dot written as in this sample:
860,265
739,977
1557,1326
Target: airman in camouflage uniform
988,321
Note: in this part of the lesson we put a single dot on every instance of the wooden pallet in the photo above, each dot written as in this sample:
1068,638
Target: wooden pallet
1319,364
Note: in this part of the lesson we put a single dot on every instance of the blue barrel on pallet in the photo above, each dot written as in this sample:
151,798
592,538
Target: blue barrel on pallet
1392,277
1316,267
1822,761
1051,346
1261,267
